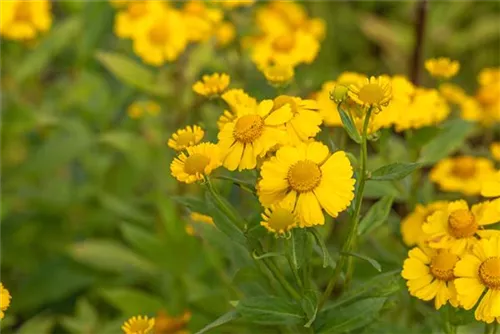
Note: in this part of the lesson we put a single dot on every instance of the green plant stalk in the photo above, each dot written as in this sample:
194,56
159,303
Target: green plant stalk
292,267
351,237
223,207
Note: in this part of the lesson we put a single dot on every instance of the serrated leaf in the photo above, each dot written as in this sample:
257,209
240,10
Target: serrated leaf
349,125
269,310
371,261
224,319
395,171
376,215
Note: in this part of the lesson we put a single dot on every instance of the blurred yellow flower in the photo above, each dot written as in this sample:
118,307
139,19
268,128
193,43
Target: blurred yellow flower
461,174
24,20
489,76
5,298
457,228
429,275
232,4
280,218
490,186
160,37
134,14
138,325
212,85
138,108
236,99
201,218
199,161
166,324
305,175
411,225
453,93
495,151
375,92
225,33
278,75
200,20
442,67
252,134
183,138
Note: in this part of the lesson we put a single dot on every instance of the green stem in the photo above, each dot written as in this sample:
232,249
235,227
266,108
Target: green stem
351,237
293,268
228,211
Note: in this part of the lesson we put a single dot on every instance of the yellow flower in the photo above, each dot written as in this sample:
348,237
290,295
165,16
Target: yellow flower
199,161
292,48
375,92
453,93
133,15
212,85
457,227
305,121
232,4
200,20
201,218
280,218
495,151
490,186
489,76
160,37
429,275
236,99
138,325
411,225
278,75
166,324
252,134
310,178
224,34
477,271
139,108
24,20
183,138
5,298
135,111
461,174
442,67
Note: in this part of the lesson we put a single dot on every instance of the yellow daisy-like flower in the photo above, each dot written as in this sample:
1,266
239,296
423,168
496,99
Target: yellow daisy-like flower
225,32
252,134
489,76
236,99
457,227
462,174
429,275
490,186
375,92
477,271
278,75
212,85
5,298
280,218
139,108
183,138
310,178
24,20
495,151
199,161
200,19
305,121
452,93
411,225
166,324
442,67
160,37
134,14
138,325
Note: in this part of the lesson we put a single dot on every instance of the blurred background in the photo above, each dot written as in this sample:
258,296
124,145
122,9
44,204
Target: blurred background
90,230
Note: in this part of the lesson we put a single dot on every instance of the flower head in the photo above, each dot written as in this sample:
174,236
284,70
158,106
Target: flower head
133,14
225,33
462,174
138,325
212,85
490,186
280,218
452,93
199,162
183,138
495,151
374,92
442,67
252,134
278,75
139,108
201,20
457,227
5,298
25,20
411,225
489,76
166,324
236,99
429,275
305,176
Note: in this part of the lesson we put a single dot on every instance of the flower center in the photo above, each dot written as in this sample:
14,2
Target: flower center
248,128
139,326
281,100
489,273
442,265
304,176
158,34
371,93
136,9
462,224
283,43
280,219
196,163
186,139
23,12
464,167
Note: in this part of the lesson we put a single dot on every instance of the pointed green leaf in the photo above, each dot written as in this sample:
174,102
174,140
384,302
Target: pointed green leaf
395,171
373,262
132,302
269,310
224,223
224,319
349,125
376,215
327,259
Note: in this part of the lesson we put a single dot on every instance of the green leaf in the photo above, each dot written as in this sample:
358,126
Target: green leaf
121,207
85,320
354,316
309,305
143,242
40,324
131,73
110,256
375,190
223,319
192,203
395,171
449,140
349,125
132,302
98,21
266,255
327,259
299,246
376,215
222,222
373,262
269,310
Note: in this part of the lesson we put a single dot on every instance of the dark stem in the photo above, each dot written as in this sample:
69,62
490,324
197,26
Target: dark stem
420,21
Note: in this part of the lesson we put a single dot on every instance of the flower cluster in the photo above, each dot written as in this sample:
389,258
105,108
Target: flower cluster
25,20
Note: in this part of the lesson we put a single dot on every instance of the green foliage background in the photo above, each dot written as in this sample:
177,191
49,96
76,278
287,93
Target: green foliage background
91,231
